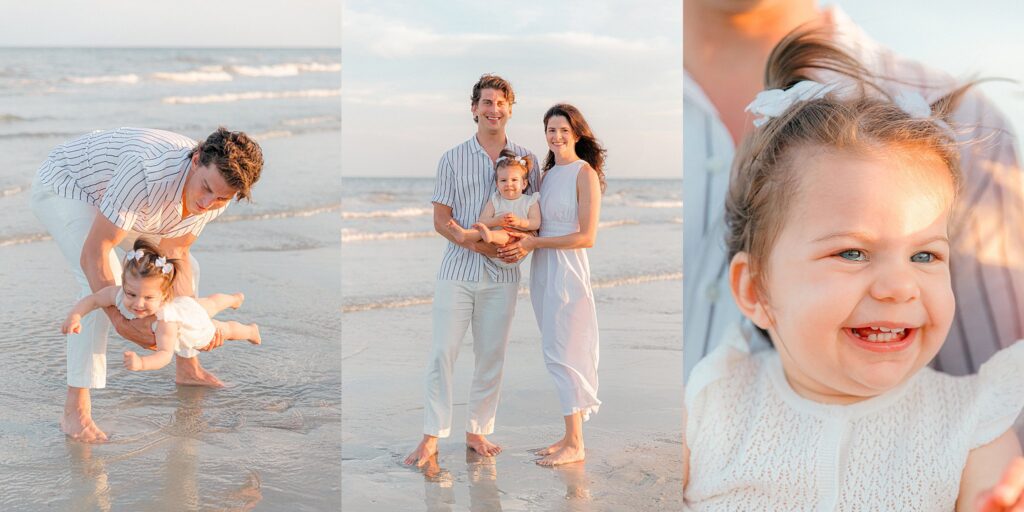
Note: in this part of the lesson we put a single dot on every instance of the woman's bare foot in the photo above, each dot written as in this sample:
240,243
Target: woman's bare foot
240,299
187,372
478,443
78,425
456,230
255,338
550,449
485,232
567,454
422,454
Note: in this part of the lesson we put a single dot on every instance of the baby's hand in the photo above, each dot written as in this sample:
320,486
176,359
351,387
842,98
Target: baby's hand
1008,494
132,361
72,324
509,220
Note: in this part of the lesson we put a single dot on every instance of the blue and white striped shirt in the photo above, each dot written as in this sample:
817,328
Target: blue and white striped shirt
465,181
134,176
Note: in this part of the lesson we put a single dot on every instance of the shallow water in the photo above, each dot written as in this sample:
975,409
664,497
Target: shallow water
271,439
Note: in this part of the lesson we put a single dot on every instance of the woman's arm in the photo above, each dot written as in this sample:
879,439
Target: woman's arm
992,479
103,298
588,196
166,334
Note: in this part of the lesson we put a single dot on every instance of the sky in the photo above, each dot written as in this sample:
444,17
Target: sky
982,40
409,67
177,23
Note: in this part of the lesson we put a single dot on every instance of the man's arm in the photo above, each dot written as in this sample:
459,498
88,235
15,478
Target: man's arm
102,238
178,248
443,214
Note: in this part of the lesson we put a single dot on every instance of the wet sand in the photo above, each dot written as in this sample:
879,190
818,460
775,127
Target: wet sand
633,444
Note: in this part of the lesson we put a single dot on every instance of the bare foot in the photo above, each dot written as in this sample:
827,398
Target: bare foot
80,427
195,375
478,443
240,298
456,230
567,454
485,232
550,449
422,454
255,339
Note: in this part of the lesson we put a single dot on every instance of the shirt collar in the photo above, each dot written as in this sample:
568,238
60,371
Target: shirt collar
474,144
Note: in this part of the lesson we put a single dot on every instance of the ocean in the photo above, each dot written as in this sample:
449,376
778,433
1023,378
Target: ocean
272,438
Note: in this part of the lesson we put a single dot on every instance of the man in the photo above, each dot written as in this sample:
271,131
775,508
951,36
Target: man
470,288
726,45
104,190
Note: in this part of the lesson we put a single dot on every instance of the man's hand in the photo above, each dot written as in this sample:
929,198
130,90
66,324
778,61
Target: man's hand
136,330
72,324
1008,495
218,340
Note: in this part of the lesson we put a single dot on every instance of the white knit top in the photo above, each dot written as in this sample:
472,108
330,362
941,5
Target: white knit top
756,445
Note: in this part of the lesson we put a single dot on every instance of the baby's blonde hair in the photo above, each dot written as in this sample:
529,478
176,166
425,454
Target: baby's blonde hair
764,176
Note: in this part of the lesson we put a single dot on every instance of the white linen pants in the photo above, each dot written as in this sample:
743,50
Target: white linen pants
488,307
69,222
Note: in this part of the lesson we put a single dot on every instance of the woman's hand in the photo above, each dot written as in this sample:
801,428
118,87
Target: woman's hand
520,244
1008,495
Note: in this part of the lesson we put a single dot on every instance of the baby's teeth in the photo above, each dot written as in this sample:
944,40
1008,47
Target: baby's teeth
872,337
884,329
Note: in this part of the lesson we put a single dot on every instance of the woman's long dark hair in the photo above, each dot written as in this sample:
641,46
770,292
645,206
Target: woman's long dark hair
587,147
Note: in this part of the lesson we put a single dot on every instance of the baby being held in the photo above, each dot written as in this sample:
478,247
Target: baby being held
183,325
508,208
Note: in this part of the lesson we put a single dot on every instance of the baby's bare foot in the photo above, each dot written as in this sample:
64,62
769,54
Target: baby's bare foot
239,299
255,339
485,232
456,230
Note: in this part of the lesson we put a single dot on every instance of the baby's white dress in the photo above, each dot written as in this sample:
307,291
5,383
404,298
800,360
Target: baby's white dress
519,206
195,329
755,445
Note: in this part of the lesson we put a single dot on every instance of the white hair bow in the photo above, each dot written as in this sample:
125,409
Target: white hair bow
162,264
773,102
135,255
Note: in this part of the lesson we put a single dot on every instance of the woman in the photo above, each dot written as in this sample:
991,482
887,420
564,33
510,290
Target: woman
570,202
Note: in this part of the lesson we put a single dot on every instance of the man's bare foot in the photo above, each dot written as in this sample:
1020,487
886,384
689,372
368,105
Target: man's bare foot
456,230
550,449
426,449
478,443
567,454
80,427
240,298
186,374
485,232
255,339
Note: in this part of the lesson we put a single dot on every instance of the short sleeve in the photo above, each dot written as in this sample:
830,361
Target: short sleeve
1000,393
444,185
533,199
723,361
168,313
126,198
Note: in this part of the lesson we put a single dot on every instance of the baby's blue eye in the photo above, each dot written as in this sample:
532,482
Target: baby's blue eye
853,255
923,257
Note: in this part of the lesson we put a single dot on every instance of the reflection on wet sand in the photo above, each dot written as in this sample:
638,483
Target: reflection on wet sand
180,490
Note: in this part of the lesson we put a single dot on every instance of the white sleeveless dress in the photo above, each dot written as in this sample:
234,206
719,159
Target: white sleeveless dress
562,299
195,329
756,445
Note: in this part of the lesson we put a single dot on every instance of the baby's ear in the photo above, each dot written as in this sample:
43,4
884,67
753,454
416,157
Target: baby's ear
743,283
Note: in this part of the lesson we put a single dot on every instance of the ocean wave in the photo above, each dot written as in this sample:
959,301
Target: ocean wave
352,235
404,212
130,78
617,223
252,95
302,121
285,69
285,214
37,135
10,191
203,74
403,302
24,239
272,134
11,118
654,204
